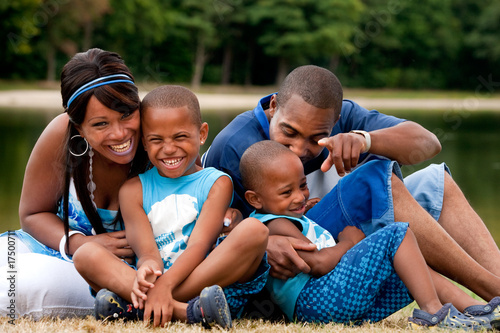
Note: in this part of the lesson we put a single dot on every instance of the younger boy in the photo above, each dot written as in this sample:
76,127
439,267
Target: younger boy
357,279
173,215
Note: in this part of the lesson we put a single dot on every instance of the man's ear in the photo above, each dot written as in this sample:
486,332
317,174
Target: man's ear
253,199
273,106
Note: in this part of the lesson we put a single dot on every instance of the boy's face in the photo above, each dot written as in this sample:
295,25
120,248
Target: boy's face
299,126
283,188
172,140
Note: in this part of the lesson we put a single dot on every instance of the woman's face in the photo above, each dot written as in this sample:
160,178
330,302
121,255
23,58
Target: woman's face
112,134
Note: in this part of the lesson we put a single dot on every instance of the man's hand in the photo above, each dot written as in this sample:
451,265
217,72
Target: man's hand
344,149
283,258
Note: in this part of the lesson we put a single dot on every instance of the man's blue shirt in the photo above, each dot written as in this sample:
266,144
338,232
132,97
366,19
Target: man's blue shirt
252,126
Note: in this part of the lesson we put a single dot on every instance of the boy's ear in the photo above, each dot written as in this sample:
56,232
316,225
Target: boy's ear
203,133
253,199
143,143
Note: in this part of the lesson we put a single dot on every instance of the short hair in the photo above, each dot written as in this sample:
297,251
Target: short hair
318,87
172,96
256,159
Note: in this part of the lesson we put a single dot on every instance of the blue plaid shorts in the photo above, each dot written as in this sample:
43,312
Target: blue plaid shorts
362,287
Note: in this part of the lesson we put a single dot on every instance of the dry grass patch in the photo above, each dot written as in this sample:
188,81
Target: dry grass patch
395,323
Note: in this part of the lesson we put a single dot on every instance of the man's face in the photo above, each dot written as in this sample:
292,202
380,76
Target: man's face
299,125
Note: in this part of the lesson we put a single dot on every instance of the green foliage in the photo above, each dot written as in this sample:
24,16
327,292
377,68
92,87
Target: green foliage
298,29
368,43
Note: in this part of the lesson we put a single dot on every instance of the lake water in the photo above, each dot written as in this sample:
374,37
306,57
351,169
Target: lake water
470,143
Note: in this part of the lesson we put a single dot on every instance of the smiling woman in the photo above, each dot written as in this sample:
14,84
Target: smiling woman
70,189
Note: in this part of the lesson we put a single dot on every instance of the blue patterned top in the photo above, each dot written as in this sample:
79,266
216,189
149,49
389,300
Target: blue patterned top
77,221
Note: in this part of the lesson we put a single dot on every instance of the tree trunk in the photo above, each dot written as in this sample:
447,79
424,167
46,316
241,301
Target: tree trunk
199,64
249,64
87,35
334,62
282,70
227,63
51,62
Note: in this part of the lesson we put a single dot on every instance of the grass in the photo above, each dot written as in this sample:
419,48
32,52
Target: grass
395,323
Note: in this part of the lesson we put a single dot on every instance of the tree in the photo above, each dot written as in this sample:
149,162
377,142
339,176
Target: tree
412,45
297,30
20,26
68,23
200,20
485,37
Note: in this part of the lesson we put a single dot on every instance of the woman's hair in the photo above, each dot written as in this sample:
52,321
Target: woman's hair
122,97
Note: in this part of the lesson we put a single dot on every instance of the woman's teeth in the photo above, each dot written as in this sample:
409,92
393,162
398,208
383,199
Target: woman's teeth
122,147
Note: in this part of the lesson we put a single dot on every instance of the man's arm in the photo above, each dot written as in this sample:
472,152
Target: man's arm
320,261
406,143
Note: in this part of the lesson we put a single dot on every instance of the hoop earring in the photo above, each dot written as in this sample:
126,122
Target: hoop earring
77,144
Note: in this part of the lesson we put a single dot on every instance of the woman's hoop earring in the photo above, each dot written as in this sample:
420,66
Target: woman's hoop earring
77,145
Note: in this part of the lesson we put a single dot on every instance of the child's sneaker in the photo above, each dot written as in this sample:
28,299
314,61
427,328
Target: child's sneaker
110,306
447,317
490,311
210,307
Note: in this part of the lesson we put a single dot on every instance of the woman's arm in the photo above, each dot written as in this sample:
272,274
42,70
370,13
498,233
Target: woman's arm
43,185
321,261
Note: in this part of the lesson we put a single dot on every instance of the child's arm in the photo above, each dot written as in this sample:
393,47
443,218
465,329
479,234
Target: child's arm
205,233
324,260
140,237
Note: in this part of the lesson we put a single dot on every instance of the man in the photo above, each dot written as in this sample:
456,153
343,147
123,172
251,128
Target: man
308,115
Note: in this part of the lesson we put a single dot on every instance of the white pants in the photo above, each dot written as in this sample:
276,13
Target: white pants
37,285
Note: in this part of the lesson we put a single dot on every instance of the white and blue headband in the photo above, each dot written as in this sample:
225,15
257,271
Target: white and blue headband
93,84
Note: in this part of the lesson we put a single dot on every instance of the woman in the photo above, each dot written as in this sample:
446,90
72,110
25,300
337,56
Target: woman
70,190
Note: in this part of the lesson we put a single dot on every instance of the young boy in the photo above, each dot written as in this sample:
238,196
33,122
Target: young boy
356,279
173,215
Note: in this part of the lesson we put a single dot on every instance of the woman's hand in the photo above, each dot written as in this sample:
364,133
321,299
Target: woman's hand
116,243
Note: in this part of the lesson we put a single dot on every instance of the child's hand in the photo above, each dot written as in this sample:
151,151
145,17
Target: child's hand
311,202
232,218
160,306
144,280
351,234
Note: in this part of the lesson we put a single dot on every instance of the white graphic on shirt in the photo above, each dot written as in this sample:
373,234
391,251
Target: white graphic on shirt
172,220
